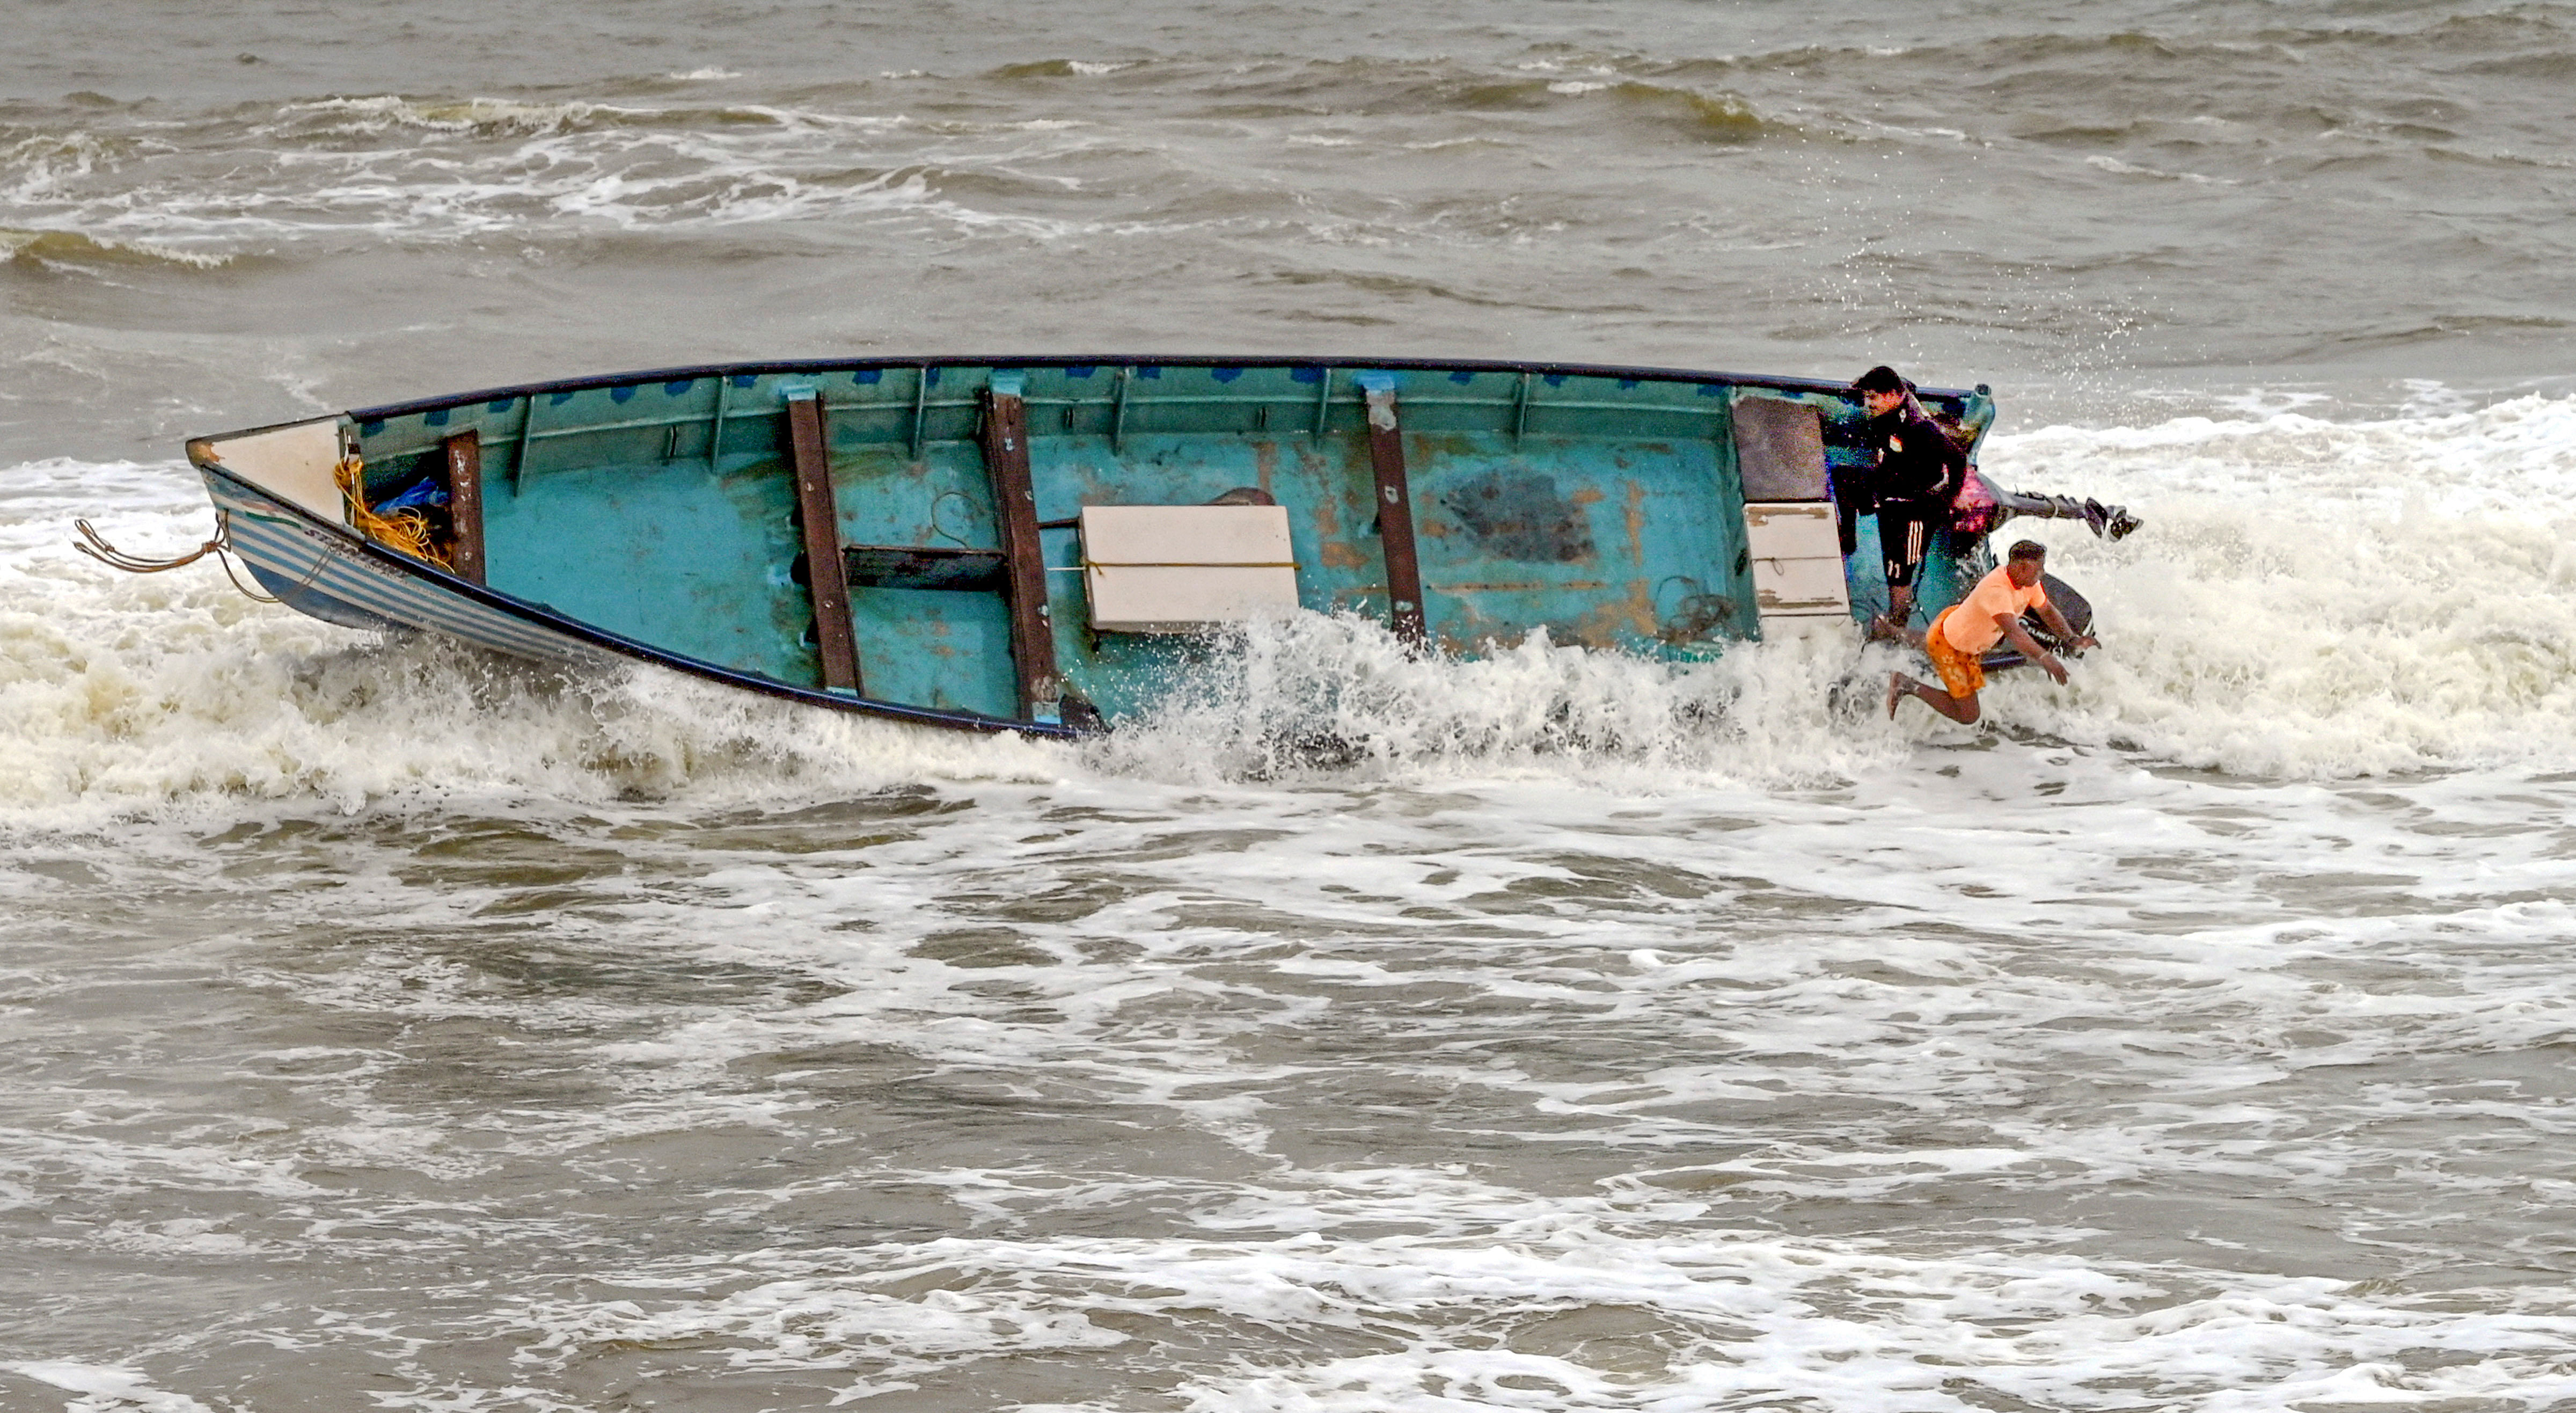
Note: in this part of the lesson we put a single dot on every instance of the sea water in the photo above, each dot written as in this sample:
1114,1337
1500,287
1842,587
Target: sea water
390,1025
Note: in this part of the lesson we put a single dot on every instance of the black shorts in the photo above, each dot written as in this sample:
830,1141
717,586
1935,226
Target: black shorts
1904,537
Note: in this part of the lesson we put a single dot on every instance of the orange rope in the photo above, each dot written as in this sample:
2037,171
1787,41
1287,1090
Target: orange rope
406,530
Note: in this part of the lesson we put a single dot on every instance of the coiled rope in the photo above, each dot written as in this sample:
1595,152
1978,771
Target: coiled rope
406,530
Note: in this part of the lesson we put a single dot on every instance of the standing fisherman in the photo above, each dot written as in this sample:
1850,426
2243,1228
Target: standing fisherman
1918,474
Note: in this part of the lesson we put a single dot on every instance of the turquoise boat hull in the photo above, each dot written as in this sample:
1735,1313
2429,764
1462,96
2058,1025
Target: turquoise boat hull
672,516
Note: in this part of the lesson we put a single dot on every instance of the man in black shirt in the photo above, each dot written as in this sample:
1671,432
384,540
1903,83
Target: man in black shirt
1917,476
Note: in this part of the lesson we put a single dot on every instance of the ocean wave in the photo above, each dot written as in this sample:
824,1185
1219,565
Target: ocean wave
387,167
1715,117
49,250
1062,68
375,115
2117,167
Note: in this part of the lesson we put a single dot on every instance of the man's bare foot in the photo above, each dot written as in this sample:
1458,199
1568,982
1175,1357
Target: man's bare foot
1897,684
1883,629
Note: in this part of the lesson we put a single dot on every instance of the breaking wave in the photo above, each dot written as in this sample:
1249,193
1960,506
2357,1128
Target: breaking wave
121,693
1341,695
47,250
2322,598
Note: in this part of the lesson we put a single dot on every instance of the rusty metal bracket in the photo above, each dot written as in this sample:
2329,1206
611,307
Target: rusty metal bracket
1015,508
465,502
1394,509
826,575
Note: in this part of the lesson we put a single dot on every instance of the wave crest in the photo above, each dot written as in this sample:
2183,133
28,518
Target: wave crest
46,250
1339,694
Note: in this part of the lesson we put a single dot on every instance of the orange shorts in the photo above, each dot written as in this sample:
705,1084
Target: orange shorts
1961,673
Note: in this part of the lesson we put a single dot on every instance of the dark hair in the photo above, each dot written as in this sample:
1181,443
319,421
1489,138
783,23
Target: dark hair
1881,379
2028,549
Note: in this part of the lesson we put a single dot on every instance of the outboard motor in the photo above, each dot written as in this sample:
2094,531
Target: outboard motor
1981,510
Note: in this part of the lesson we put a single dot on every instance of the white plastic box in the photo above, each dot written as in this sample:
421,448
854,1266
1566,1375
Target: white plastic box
1182,568
1797,561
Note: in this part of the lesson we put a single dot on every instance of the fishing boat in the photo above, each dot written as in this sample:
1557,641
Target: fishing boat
1033,544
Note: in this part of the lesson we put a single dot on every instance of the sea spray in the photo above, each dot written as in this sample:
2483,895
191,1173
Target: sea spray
1339,695
2320,599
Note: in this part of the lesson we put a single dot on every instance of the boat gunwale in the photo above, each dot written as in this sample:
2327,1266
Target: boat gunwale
1190,360
620,644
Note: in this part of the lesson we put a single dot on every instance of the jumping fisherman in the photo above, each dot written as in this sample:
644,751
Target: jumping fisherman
1918,474
1959,639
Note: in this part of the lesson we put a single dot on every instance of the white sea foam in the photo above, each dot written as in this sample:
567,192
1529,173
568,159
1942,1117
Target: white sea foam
1343,694
105,1389
2318,597
374,115
2131,169
1475,1295
393,166
124,692
1427,1094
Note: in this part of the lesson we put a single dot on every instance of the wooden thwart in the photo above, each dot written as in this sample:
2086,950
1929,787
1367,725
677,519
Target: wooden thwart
465,502
1394,510
826,576
1024,589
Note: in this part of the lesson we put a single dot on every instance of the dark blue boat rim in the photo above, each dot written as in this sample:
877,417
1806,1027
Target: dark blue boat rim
618,643
1105,360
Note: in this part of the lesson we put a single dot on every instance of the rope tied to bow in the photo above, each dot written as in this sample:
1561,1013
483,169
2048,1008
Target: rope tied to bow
96,546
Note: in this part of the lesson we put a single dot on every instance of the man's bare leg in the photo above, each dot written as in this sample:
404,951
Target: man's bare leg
1962,710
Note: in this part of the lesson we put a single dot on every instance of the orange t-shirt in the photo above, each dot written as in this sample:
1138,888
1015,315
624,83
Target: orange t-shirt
1971,627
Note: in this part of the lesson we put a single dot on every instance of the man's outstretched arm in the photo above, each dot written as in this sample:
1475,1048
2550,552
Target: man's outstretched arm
2057,624
2029,647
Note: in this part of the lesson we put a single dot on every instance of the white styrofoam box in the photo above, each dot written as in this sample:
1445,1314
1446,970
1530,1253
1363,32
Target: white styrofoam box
1185,534
1792,530
1177,568
1797,560
1799,586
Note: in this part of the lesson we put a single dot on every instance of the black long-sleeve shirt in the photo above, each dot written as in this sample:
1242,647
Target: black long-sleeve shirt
1917,461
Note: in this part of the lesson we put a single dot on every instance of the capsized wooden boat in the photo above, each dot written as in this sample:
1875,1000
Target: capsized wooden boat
1028,544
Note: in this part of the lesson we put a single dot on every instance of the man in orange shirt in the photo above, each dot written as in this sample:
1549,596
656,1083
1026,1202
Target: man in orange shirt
1959,639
